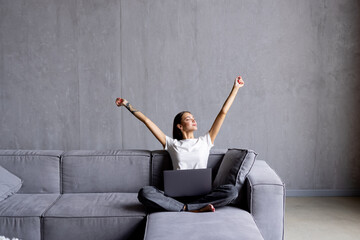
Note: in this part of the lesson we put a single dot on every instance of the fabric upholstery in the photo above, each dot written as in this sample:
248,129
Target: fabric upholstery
101,172
39,170
97,205
27,205
226,223
266,197
9,183
85,228
21,227
94,216
20,215
234,168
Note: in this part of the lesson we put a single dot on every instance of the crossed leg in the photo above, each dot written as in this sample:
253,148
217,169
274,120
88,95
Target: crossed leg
218,197
154,199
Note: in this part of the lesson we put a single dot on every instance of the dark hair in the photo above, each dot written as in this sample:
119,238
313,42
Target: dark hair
177,134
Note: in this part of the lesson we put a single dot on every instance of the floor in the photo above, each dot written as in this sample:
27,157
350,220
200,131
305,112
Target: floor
322,218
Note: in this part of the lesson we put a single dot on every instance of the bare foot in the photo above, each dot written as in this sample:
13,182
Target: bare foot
208,208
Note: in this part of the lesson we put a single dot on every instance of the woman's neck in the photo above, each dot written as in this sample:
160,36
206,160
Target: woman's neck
188,135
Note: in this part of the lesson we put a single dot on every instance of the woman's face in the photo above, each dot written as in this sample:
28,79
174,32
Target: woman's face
188,123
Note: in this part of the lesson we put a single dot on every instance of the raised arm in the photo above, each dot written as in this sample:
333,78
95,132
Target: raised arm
215,128
149,124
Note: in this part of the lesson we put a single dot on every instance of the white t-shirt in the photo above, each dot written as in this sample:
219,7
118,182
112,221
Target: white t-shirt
189,153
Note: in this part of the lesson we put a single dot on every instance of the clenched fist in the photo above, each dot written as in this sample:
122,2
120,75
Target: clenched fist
239,82
120,102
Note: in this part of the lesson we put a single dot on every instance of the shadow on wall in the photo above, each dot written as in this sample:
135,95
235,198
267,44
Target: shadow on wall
349,78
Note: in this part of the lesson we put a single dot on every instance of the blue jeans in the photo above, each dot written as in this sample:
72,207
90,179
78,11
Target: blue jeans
155,200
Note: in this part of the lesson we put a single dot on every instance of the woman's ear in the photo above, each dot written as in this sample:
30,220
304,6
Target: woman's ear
179,126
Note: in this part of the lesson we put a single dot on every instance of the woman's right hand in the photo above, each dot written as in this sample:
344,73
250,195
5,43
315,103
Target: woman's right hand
120,102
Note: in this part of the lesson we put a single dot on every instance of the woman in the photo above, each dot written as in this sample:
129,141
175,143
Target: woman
187,152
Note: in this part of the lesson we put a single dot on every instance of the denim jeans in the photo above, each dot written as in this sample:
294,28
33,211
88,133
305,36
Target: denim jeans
155,200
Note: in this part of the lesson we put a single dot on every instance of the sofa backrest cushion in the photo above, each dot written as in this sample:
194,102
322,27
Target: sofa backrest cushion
234,168
110,171
38,169
161,161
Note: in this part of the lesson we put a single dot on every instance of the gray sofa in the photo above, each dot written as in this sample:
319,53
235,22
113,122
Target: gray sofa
93,195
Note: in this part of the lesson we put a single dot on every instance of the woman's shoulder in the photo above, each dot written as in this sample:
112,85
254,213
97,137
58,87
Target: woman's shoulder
170,142
207,139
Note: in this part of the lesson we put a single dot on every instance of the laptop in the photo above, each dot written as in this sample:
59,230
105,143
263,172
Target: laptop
187,183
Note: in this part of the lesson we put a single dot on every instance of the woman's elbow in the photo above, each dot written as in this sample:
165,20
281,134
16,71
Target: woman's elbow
223,112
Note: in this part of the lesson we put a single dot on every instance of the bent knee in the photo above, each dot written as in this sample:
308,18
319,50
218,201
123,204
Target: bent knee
234,191
231,189
146,191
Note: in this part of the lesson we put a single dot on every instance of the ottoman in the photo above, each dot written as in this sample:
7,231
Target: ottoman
226,223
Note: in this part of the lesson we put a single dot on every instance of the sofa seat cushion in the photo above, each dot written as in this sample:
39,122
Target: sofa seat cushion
97,205
27,205
94,216
226,223
20,214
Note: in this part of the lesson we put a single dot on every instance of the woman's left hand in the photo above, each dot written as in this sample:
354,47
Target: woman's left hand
239,82
120,102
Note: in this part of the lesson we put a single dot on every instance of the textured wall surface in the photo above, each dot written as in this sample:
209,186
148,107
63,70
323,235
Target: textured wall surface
63,63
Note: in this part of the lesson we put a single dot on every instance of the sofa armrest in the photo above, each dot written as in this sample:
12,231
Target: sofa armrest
266,200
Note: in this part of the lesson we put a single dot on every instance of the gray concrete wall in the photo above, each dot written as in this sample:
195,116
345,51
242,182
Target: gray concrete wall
63,63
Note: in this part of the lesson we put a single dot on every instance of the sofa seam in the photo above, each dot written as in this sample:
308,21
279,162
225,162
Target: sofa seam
61,173
60,217
267,184
42,228
146,226
24,155
6,216
252,216
51,205
161,154
151,170
106,155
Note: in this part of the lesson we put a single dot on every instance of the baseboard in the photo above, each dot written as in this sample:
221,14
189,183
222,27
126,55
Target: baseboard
322,193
